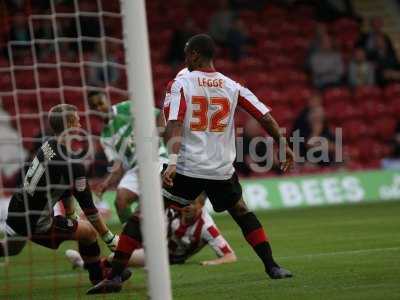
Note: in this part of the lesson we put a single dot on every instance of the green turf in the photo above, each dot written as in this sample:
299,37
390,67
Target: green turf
340,252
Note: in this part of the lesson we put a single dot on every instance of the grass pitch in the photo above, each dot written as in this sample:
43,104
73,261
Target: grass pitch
337,252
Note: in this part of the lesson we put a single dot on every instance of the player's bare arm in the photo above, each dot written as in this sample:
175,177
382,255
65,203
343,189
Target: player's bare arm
69,208
172,138
160,122
114,177
226,259
83,195
86,203
271,126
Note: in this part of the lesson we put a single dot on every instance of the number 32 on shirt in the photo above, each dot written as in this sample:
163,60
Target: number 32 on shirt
200,120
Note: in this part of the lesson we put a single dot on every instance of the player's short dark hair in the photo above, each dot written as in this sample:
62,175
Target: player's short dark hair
202,44
93,94
60,115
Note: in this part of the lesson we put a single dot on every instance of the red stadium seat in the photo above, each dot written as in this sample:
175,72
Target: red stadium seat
122,82
341,111
272,97
71,76
346,25
48,77
26,99
351,152
297,78
354,165
25,79
394,106
96,125
241,118
307,27
337,94
273,70
163,71
372,151
49,99
298,95
257,30
275,12
269,47
354,130
5,81
250,64
261,80
157,55
9,103
346,42
225,66
392,91
385,128
372,109
47,59
279,61
30,127
75,97
283,115
117,96
4,63
363,93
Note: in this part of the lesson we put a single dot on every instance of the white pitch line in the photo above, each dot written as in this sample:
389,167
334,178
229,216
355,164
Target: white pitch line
341,252
36,277
73,274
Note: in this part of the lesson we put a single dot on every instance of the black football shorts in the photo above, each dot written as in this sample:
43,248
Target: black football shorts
223,194
60,228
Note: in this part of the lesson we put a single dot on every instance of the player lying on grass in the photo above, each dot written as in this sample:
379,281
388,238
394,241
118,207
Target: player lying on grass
117,139
199,108
190,229
56,174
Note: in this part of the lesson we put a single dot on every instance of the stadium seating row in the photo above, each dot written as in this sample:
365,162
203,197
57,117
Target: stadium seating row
274,70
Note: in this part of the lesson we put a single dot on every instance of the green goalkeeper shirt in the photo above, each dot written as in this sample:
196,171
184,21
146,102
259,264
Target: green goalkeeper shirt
117,137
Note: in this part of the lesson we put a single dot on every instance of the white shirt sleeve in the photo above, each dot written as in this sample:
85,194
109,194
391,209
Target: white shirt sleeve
175,102
216,241
109,150
249,102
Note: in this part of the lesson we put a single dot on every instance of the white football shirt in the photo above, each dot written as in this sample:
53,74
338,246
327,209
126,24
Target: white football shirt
205,101
186,240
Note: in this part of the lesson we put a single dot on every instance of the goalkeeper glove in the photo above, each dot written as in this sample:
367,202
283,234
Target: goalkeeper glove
123,214
72,216
111,240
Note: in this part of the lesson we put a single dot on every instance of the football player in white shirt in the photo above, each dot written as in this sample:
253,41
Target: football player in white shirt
193,229
199,109
189,230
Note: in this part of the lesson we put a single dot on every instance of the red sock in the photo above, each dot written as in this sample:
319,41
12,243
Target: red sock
126,246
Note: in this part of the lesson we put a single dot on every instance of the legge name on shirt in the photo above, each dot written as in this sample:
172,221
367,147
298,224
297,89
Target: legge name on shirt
216,83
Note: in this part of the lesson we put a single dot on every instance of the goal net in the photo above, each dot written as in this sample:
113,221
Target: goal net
53,51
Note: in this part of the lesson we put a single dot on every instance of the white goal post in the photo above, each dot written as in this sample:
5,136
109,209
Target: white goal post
141,91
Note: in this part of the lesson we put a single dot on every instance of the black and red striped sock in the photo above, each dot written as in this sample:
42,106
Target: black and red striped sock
90,255
256,237
129,241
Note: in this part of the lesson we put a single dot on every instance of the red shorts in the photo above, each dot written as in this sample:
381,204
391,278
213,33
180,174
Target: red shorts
61,230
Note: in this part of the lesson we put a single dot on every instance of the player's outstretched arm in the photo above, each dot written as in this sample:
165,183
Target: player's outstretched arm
69,207
85,201
174,113
109,238
249,102
220,246
226,259
272,127
83,195
172,138
160,122
115,176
